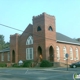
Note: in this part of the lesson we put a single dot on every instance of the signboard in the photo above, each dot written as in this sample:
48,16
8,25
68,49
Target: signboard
20,62
66,55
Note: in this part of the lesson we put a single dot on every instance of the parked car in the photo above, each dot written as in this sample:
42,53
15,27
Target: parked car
75,65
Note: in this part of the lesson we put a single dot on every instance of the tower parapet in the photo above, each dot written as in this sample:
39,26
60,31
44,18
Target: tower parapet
41,15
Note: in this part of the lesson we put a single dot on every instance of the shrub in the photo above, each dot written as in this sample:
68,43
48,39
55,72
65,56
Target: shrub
27,63
16,65
45,63
3,65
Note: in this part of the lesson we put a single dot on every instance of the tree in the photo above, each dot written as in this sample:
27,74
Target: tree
7,44
3,44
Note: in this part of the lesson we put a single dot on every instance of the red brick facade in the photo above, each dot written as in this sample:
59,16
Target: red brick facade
5,57
44,39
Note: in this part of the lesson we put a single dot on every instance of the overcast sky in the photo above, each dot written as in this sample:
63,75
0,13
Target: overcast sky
19,13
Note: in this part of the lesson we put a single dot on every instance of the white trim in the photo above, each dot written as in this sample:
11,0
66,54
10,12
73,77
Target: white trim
67,42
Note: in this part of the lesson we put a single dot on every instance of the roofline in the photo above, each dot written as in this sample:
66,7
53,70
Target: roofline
5,51
68,42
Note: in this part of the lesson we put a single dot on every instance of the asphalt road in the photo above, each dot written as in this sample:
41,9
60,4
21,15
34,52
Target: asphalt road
37,74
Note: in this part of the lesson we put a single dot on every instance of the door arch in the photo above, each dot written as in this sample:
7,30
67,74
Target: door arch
39,54
13,56
51,54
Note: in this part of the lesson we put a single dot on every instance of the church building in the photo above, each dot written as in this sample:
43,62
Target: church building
41,41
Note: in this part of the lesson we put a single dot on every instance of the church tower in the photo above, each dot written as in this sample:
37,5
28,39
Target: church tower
44,34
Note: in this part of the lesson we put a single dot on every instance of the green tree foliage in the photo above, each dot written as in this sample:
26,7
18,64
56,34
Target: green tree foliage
7,44
3,44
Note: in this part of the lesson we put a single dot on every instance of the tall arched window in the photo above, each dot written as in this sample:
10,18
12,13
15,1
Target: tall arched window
58,53
29,40
77,54
50,28
64,52
38,28
71,54
29,53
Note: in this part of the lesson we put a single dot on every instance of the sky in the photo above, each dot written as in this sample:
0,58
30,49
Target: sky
18,14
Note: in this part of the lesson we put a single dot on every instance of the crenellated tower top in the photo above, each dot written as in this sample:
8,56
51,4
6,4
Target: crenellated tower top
41,15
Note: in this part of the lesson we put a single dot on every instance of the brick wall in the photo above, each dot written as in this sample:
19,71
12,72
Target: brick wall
5,55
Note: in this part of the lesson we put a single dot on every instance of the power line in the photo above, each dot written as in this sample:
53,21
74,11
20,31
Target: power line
23,31
10,27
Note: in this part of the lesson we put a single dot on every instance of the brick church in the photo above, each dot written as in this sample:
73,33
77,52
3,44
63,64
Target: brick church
41,41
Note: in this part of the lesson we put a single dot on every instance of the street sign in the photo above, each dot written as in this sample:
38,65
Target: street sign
66,55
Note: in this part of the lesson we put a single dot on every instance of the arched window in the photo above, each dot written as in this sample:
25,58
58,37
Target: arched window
77,54
50,28
29,40
38,28
71,54
58,53
64,52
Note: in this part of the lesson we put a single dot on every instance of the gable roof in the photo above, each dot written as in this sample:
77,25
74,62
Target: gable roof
65,39
59,38
5,50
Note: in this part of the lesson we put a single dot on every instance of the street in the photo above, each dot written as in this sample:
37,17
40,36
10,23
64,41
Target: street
37,74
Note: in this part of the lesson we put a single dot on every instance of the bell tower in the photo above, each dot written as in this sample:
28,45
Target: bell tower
44,32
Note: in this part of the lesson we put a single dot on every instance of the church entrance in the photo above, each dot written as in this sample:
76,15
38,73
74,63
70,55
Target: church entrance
51,54
13,56
40,54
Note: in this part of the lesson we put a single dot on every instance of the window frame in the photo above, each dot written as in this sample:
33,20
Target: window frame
39,28
29,52
64,52
77,54
29,40
50,28
71,54
58,53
